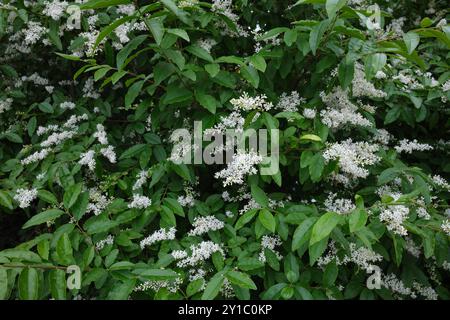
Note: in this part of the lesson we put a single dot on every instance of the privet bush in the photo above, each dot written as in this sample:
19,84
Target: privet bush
92,92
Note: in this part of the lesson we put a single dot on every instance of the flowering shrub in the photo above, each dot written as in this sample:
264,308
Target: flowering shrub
91,171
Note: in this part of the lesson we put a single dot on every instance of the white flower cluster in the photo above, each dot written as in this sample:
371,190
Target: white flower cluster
199,252
340,110
382,136
446,226
140,202
100,134
363,88
55,9
363,257
33,33
107,241
309,113
394,216
187,3
5,105
340,205
159,235
205,224
441,182
171,285
109,153
232,121
270,242
97,202
412,248
392,283
141,180
88,159
409,146
352,157
241,165
247,103
206,44
186,201
289,103
25,197
67,105
88,90
36,156
225,7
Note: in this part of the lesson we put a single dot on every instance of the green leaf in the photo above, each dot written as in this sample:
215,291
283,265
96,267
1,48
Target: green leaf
175,206
64,250
123,54
316,35
374,63
316,167
357,220
259,195
20,254
290,37
212,68
346,71
42,217
3,284
213,287
411,40
300,236
333,6
272,259
102,35
47,196
207,101
330,274
311,137
251,75
122,290
245,218
387,175
316,250
176,95
194,287
58,284
157,29
167,216
5,200
249,263
183,16
133,92
200,52
323,227
272,33
97,4
180,33
71,195
68,57
241,279
258,62
132,151
45,107
182,170
28,284
156,274
267,220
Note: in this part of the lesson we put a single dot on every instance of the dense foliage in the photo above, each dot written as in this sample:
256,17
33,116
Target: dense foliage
92,91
